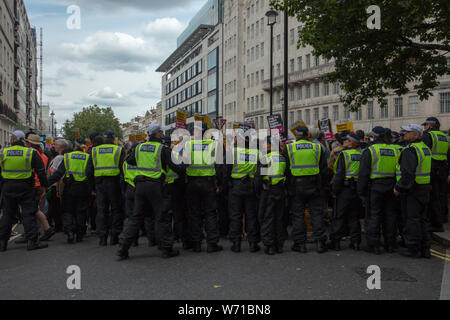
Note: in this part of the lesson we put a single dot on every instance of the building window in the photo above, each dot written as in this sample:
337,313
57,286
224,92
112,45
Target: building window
299,63
291,94
308,116
308,91
325,114
257,52
326,89
252,105
277,96
413,106
308,61
398,107
291,118
335,113
316,114
370,110
256,102
346,113
262,49
316,89
384,112
299,93
278,70
291,37
445,102
262,101
278,42
292,65
299,115
257,78
336,88
358,115
316,61
262,74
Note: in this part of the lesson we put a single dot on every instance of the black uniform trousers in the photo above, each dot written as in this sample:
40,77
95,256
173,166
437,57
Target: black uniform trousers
202,203
149,221
271,214
17,194
177,203
306,192
148,206
76,199
438,200
242,203
417,229
346,215
109,198
381,212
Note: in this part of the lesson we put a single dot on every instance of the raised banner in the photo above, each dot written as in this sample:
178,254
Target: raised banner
298,124
204,119
342,126
325,126
276,125
181,119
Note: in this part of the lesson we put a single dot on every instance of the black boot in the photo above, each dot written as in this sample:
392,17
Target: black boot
270,250
169,253
114,240
236,247
213,247
334,245
426,253
279,248
187,245
103,241
301,247
48,234
22,239
254,247
3,245
79,237
35,245
70,237
122,253
355,246
410,252
321,247
197,246
136,242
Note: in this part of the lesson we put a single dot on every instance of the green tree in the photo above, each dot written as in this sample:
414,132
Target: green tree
409,47
92,118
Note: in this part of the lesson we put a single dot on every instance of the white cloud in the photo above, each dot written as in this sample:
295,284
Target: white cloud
107,97
164,29
106,51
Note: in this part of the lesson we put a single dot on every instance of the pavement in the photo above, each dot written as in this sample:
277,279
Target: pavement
443,237
224,275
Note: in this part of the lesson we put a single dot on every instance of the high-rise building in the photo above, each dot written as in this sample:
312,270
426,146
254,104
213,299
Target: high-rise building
18,70
221,68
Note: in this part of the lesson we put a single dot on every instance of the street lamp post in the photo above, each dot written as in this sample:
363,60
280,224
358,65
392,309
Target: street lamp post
271,20
56,130
53,115
285,107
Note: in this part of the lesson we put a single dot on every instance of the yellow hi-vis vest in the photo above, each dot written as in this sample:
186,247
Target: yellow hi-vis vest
244,163
352,159
384,160
276,166
202,158
16,163
148,159
440,145
76,163
304,158
423,169
129,173
106,159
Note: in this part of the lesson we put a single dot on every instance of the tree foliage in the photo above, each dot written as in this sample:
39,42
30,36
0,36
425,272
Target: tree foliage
410,46
92,118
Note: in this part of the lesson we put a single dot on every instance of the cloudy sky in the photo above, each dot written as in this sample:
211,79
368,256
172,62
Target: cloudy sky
111,60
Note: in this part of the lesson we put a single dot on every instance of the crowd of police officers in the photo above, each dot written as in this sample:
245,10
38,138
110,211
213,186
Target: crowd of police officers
397,183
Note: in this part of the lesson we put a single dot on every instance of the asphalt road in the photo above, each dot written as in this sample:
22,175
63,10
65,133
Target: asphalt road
42,274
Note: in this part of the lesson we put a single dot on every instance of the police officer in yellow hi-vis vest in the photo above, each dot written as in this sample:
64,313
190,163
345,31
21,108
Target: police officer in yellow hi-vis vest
308,177
271,178
204,181
18,165
376,182
438,142
106,165
77,191
241,196
347,202
414,184
150,158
